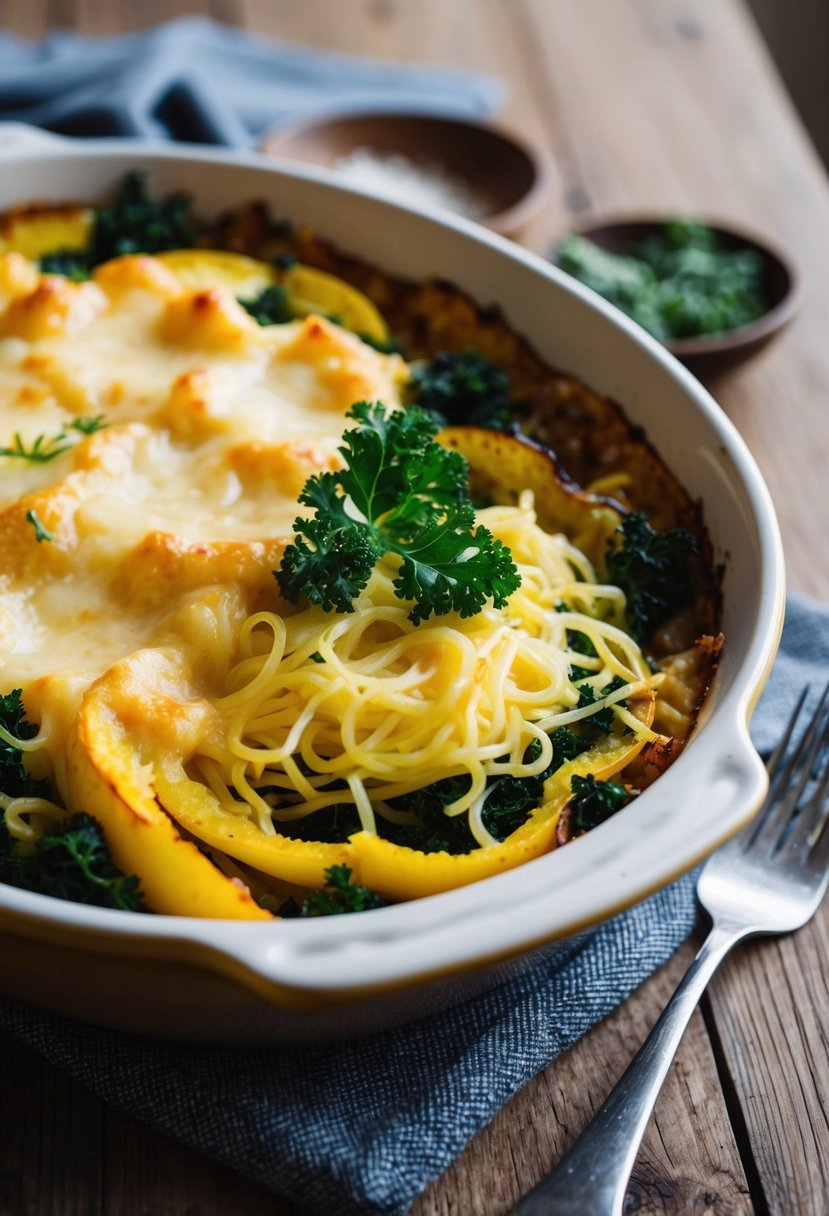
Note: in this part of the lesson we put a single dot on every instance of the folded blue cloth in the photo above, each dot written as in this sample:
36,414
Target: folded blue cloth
361,1127
196,80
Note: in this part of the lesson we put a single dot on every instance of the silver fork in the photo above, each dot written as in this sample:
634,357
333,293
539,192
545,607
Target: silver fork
768,879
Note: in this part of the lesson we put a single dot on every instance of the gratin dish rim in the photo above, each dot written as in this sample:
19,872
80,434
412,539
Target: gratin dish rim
339,959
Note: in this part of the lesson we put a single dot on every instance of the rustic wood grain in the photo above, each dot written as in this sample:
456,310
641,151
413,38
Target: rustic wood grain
770,1014
688,1162
642,103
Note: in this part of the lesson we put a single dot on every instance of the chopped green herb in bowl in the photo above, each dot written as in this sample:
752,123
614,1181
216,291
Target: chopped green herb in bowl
709,294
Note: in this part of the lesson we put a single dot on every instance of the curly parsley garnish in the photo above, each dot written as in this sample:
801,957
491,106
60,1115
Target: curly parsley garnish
404,495
70,862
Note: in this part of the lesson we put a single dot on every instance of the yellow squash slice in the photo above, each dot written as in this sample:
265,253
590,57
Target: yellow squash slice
501,466
389,869
309,290
140,794
35,231
106,776
142,721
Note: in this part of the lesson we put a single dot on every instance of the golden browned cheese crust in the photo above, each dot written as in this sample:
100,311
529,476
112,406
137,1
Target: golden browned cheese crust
592,439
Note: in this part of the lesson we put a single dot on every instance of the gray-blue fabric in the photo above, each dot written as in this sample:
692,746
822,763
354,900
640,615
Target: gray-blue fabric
197,80
361,1127
357,1127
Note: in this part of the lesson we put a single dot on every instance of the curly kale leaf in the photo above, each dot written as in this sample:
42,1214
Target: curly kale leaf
603,718
654,571
400,493
463,390
70,862
73,862
509,802
595,801
270,307
72,264
135,223
340,895
14,778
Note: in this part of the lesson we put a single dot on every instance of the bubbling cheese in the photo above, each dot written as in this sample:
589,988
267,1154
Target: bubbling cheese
210,425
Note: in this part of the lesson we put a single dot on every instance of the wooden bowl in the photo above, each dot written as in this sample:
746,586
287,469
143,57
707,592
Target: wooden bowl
510,178
707,356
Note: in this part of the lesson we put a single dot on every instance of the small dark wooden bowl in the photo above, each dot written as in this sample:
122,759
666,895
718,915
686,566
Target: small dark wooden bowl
707,356
508,174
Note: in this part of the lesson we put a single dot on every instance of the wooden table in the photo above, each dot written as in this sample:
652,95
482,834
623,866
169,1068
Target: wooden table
653,103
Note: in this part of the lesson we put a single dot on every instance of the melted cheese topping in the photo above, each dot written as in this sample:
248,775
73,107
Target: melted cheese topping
211,425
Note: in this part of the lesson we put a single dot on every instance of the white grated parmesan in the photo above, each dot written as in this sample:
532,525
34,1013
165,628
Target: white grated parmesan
420,183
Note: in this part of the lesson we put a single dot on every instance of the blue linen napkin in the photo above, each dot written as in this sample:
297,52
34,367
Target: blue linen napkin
194,79
360,1128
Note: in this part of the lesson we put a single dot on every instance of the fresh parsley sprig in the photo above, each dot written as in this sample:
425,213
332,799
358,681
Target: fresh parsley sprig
400,493
45,448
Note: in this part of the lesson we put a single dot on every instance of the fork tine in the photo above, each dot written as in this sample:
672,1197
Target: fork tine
775,769
781,802
811,816
819,857
780,751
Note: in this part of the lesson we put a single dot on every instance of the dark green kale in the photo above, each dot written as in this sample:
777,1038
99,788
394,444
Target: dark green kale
14,778
603,719
340,895
463,390
512,799
680,282
508,804
434,832
594,801
71,263
331,825
73,862
134,223
70,862
400,493
654,571
580,643
270,307
509,801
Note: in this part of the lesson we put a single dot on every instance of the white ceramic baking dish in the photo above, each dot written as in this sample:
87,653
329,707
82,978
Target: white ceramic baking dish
296,980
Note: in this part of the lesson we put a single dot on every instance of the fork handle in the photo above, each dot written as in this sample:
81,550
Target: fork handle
593,1176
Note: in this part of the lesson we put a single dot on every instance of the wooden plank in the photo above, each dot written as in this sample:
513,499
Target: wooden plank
592,82
51,1136
662,107
688,1161
799,49
771,1012
63,1152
